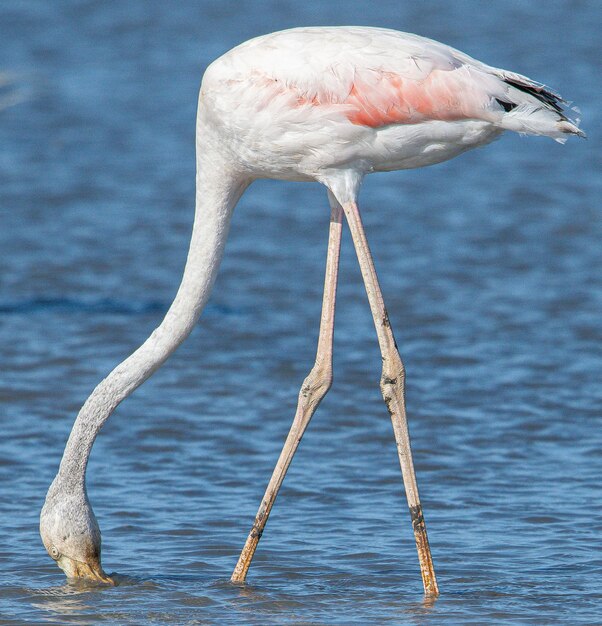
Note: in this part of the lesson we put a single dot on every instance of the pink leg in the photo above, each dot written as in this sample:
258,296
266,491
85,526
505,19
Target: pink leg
314,388
392,386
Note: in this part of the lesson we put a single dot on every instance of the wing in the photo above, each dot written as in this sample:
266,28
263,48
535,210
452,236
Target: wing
376,77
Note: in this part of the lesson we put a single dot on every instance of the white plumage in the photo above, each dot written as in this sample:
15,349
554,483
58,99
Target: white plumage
293,102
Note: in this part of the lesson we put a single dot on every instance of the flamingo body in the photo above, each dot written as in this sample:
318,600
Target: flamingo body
300,103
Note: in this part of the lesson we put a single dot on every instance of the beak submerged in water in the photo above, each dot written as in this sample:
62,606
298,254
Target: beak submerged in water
91,570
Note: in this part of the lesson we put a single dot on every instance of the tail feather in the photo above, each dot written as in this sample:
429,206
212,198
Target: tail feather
530,107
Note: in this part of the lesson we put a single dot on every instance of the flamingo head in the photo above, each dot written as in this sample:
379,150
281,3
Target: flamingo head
70,533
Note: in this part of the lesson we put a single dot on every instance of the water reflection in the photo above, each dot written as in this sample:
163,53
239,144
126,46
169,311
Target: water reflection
71,599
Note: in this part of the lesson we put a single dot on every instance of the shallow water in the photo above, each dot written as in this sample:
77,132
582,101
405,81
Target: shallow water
490,265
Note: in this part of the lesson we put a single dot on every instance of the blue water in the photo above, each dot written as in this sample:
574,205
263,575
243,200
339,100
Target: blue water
491,269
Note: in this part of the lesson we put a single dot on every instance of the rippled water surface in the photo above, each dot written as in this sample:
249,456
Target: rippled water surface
491,268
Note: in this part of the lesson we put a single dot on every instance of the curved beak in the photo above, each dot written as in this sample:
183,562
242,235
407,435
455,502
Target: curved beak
90,570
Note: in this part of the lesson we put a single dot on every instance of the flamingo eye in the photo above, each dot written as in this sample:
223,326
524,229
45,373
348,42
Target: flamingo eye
54,553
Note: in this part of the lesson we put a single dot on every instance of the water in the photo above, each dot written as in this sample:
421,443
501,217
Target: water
490,266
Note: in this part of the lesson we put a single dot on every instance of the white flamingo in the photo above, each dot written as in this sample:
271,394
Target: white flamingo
308,104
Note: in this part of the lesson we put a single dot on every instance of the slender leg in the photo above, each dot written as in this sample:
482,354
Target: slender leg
392,387
314,388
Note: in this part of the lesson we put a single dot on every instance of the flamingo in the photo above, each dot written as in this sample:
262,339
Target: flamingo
307,104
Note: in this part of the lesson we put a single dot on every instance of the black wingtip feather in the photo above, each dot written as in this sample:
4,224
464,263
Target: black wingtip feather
541,93
507,106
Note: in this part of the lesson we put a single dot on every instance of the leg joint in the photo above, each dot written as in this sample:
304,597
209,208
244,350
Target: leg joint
317,383
393,375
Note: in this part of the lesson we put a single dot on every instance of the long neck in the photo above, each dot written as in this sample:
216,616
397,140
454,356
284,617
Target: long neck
217,191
